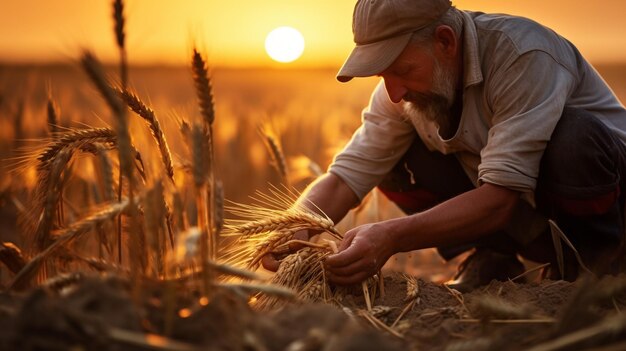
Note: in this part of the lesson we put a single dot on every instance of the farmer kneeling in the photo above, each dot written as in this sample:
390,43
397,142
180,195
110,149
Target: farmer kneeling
482,128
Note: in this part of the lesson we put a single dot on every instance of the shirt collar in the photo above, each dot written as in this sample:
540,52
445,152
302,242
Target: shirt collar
471,60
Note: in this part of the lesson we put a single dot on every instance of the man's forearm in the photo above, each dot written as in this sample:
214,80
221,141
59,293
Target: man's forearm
463,218
331,195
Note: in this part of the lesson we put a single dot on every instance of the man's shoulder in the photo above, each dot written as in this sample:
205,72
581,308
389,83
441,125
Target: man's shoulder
520,33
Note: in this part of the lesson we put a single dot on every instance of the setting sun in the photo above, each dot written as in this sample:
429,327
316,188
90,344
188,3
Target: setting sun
284,44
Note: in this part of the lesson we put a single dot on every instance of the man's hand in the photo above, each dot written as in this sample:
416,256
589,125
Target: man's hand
363,251
270,262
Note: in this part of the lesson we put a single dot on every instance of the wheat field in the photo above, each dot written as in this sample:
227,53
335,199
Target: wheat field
162,187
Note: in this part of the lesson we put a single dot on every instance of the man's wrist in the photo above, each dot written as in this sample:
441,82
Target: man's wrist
400,233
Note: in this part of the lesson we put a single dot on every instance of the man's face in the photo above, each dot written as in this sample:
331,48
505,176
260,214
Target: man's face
425,84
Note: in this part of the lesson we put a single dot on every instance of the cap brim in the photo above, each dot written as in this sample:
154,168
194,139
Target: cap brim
371,59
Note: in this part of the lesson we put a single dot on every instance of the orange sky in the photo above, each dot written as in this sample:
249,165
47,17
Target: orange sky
232,32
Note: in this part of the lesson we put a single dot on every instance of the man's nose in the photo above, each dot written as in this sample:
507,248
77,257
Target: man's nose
395,90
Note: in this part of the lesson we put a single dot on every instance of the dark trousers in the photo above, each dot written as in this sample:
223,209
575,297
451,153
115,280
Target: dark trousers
580,186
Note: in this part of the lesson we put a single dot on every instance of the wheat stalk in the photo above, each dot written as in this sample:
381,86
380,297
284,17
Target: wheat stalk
58,153
200,177
272,143
96,73
97,76
219,206
53,116
279,210
95,141
75,139
267,243
154,210
289,220
73,232
105,173
178,216
200,158
150,117
204,93
558,235
49,192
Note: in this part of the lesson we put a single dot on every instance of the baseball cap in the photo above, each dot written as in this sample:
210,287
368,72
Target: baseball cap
382,29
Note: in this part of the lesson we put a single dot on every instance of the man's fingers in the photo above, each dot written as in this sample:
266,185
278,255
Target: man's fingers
270,263
343,258
345,255
347,240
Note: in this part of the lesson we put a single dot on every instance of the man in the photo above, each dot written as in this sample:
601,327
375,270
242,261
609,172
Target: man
482,128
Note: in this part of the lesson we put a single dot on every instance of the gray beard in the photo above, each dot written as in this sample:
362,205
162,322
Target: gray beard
434,106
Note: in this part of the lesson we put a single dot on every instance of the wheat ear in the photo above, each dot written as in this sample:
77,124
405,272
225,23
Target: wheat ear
204,91
54,158
49,193
77,138
268,244
150,117
53,116
296,272
120,40
95,72
290,219
272,143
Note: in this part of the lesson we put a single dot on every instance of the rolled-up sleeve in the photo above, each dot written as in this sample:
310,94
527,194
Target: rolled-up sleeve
527,99
381,140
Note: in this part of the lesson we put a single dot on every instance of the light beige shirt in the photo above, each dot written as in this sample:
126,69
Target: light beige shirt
518,77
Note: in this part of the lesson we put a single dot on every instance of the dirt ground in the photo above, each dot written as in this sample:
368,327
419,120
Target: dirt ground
108,313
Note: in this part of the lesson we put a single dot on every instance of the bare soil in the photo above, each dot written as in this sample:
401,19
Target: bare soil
108,313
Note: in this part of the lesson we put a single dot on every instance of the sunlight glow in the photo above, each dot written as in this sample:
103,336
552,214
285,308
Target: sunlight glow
284,44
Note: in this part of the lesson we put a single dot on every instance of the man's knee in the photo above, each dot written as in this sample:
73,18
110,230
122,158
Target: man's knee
581,151
581,166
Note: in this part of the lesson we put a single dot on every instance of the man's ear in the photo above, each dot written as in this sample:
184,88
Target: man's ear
446,41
